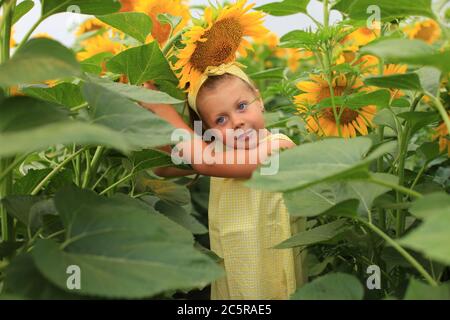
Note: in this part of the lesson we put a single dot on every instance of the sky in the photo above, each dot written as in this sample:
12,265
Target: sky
58,25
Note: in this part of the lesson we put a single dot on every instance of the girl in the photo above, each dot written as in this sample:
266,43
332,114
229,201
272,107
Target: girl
244,224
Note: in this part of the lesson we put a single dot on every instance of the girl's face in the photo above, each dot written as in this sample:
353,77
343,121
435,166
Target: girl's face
235,111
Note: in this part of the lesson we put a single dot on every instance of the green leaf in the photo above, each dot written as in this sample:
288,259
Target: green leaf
166,18
137,93
334,286
39,60
407,81
432,236
275,73
418,290
331,198
319,234
9,248
380,98
284,8
430,205
47,124
23,278
123,248
148,159
415,52
358,9
140,127
22,9
417,120
298,39
430,79
429,150
94,64
322,161
136,24
178,215
142,64
94,7
65,94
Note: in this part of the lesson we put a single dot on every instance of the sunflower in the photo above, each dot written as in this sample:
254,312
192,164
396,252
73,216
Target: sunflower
90,25
323,121
218,42
441,132
270,39
293,56
127,5
160,32
391,69
99,44
358,38
428,31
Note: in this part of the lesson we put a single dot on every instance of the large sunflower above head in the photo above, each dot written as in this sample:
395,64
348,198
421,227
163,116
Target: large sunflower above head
428,31
217,42
153,8
323,121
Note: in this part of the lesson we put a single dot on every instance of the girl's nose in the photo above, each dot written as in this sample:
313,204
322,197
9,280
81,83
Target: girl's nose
237,122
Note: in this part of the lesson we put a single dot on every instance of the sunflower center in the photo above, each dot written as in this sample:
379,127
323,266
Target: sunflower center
425,32
224,39
347,116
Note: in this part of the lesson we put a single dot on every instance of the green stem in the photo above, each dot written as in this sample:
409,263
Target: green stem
419,174
326,18
87,172
93,166
101,177
7,227
396,187
28,34
381,212
12,166
441,110
403,252
81,106
55,171
169,43
117,183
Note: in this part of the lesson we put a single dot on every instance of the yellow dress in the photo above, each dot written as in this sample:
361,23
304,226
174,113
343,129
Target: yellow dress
244,225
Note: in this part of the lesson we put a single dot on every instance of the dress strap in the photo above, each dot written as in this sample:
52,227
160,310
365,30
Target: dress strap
278,136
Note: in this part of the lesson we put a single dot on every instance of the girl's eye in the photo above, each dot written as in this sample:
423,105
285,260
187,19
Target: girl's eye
242,106
220,120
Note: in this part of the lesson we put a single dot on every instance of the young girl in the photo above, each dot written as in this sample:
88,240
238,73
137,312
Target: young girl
244,224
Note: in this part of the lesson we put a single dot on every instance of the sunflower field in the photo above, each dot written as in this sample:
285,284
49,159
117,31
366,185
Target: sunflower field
366,99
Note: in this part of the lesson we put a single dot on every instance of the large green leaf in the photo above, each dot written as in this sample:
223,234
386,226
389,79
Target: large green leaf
432,204
178,215
137,93
334,286
319,234
27,124
285,7
23,278
321,161
136,24
357,9
95,7
39,60
420,291
66,94
432,236
22,9
415,52
141,64
322,197
407,81
140,127
123,248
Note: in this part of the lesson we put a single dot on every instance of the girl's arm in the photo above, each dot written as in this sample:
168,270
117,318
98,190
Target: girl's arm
220,168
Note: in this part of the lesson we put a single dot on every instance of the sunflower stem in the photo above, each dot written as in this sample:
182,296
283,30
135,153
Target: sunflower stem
55,171
7,223
402,251
169,43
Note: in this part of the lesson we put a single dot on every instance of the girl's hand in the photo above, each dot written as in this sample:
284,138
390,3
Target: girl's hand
159,109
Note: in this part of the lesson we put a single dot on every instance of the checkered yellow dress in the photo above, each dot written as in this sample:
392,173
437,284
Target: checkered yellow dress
244,225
